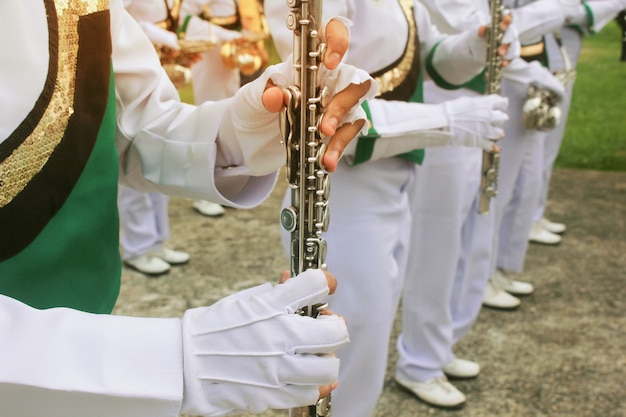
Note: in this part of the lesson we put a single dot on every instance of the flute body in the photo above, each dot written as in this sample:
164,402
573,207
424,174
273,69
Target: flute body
306,218
491,160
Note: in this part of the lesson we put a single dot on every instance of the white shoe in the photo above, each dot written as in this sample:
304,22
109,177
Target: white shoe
461,369
553,227
538,234
171,256
208,208
496,297
437,391
508,284
148,264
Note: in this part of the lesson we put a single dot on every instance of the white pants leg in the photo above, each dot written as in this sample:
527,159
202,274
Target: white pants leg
474,270
514,149
572,41
518,215
367,242
440,203
144,221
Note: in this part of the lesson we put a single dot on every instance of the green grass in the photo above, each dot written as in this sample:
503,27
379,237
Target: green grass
595,135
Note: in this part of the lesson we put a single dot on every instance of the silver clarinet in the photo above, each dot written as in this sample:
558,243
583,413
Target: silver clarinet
493,77
307,216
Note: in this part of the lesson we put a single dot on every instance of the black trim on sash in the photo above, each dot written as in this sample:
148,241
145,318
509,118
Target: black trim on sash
542,56
27,214
407,87
27,126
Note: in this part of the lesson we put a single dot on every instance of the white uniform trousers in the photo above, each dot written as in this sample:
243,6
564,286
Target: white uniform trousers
367,248
449,261
572,42
519,184
144,221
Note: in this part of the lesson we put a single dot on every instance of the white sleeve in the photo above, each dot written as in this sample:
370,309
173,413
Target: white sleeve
453,16
175,148
593,16
62,362
538,18
402,127
450,59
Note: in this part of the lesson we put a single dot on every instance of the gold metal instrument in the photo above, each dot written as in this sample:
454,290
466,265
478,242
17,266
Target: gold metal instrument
307,216
248,53
493,77
540,109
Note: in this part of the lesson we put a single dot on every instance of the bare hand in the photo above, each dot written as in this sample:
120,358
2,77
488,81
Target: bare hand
503,48
274,98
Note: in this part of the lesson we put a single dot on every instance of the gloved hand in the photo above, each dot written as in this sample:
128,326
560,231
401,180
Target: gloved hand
252,120
249,352
525,74
510,37
477,121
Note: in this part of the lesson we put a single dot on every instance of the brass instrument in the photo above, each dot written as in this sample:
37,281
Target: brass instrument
176,62
309,183
493,77
248,53
540,109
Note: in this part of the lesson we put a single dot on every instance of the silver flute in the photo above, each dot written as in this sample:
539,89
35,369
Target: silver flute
493,77
307,216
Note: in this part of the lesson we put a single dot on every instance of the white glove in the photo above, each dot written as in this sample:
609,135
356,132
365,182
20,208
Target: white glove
252,122
249,352
511,37
477,121
526,74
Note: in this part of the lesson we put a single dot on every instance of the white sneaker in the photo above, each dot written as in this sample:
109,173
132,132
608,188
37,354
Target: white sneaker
496,297
437,391
538,234
508,284
208,208
553,227
171,256
148,264
461,369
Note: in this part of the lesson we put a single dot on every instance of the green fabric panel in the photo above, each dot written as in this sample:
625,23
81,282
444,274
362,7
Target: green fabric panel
365,143
183,29
590,19
477,84
436,77
75,261
416,155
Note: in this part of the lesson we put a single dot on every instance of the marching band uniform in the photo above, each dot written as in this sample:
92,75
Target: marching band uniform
592,16
521,157
211,79
144,216
368,235
450,243
85,100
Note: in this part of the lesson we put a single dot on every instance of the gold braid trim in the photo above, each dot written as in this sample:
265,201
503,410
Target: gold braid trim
395,76
18,169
